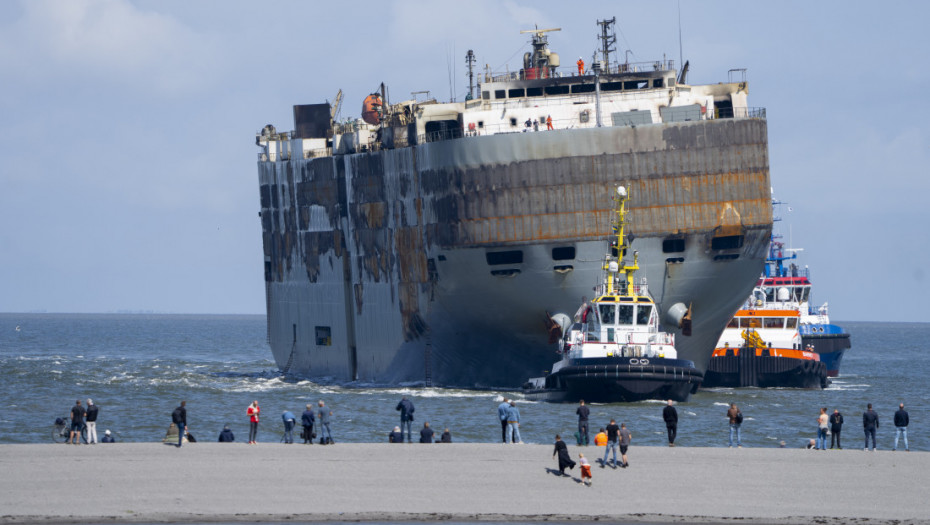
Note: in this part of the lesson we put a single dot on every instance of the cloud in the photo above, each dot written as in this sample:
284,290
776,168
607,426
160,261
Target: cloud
107,42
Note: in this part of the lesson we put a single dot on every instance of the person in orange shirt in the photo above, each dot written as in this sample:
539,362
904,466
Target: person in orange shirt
580,66
600,440
252,412
549,122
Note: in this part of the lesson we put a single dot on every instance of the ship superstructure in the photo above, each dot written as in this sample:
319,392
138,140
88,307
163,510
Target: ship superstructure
427,241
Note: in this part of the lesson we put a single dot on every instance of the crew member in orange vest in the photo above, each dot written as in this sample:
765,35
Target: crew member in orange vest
580,66
549,122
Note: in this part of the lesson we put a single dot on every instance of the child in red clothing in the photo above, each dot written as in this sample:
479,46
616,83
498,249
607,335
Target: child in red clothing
585,470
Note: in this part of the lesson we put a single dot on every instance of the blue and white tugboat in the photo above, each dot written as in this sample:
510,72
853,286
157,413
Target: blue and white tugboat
612,350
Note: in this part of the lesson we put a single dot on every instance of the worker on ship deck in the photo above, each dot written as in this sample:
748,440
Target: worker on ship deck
580,66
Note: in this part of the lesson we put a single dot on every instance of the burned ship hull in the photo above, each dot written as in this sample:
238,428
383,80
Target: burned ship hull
436,262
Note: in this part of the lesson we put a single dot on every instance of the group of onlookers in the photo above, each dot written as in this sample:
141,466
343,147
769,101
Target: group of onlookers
84,425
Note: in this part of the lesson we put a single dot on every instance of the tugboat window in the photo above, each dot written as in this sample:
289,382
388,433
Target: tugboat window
751,322
642,314
734,323
625,314
607,312
792,323
323,336
774,322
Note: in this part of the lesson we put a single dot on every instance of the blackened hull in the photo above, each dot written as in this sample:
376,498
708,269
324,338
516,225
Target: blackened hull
750,370
831,348
674,379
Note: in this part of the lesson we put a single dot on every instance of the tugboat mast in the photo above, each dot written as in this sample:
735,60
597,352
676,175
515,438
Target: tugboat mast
612,266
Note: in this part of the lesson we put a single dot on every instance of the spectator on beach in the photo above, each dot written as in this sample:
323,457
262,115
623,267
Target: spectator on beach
561,450
252,412
306,419
446,436
836,427
77,423
179,418
585,470
613,437
670,416
513,424
583,413
406,416
396,436
625,438
325,415
289,421
426,433
811,445
736,421
822,422
901,420
600,439
502,416
226,435
91,420
870,426
107,438
190,437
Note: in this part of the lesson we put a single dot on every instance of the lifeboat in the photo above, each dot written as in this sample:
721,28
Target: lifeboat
371,109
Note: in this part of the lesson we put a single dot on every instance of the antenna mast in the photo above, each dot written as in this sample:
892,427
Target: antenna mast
470,61
608,39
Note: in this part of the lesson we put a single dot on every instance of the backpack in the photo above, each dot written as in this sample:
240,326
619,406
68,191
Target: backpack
739,418
176,416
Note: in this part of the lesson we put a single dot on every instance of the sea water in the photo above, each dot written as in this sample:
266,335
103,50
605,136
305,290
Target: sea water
137,368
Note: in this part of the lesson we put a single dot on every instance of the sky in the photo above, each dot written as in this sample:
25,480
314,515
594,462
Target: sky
128,178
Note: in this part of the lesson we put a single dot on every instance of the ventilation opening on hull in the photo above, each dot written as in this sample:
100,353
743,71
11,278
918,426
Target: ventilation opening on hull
510,257
726,257
563,268
727,242
675,260
563,253
505,273
673,245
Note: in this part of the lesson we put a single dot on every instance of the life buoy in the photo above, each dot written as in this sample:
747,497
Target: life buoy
471,126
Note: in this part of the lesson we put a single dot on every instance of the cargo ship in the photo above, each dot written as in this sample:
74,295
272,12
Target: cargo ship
425,242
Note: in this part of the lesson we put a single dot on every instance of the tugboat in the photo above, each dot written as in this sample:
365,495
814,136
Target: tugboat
761,346
612,350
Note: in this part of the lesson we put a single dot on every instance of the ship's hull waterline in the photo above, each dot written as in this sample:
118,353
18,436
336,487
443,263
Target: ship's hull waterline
439,261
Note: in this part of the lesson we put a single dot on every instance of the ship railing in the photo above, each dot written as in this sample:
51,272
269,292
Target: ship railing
571,70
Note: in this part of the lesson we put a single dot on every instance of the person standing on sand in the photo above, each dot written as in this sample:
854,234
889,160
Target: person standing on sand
325,415
77,423
613,432
179,418
836,426
625,438
289,421
502,416
561,450
670,416
92,411
822,421
870,426
406,416
306,419
513,424
583,413
736,421
901,420
252,412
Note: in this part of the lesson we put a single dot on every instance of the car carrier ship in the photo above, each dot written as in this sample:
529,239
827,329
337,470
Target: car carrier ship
425,242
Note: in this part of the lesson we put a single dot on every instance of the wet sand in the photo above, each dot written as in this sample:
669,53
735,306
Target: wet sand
212,482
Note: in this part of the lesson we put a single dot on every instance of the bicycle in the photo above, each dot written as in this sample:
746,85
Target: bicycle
61,431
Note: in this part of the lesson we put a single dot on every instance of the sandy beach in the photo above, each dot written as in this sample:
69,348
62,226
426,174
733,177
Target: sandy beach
212,482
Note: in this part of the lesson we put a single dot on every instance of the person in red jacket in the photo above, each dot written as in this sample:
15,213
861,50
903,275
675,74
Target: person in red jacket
252,412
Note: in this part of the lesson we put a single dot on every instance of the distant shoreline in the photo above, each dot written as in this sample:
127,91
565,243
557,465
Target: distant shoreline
212,482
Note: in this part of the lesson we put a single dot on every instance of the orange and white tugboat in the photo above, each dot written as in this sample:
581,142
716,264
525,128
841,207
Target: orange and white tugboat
613,349
761,347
